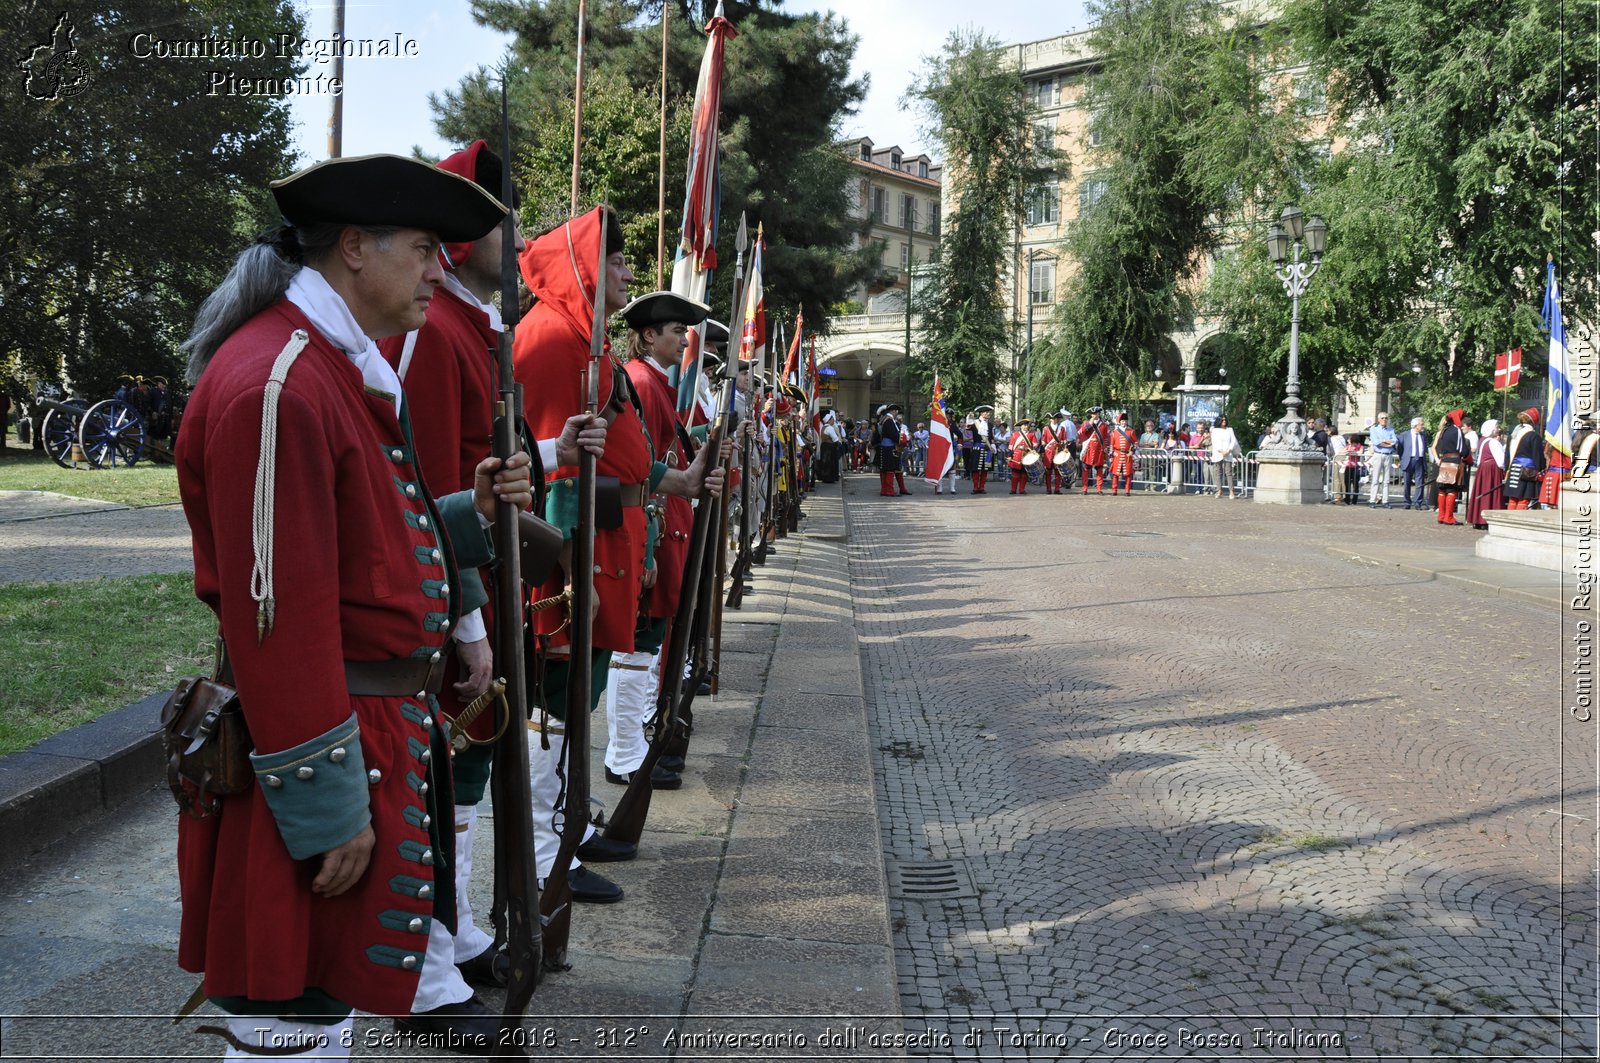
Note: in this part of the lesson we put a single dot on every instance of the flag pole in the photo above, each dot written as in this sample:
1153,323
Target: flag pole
577,107
661,165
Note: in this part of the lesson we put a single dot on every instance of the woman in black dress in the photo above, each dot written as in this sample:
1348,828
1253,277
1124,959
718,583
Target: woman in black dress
1524,461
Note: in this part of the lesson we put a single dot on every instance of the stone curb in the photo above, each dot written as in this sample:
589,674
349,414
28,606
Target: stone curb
1462,568
67,781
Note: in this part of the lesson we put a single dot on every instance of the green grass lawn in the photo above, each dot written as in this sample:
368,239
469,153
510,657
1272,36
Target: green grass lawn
70,652
146,484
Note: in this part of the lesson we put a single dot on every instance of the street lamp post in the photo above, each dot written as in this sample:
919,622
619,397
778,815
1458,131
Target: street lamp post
1291,467
1309,238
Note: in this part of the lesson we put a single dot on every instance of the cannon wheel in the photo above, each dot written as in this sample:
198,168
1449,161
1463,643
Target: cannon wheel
112,433
59,433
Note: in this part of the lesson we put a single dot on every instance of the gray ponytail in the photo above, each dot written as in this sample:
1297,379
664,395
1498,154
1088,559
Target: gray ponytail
259,277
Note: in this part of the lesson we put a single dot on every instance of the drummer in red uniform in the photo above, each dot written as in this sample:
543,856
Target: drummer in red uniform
1024,443
1054,438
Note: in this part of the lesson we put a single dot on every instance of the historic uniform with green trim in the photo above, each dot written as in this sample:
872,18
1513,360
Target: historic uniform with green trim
370,577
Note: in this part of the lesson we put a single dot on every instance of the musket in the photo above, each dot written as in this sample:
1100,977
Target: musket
741,559
627,818
556,898
516,876
741,242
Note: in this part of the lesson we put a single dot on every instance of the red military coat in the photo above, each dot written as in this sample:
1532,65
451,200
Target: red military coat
1021,442
677,517
362,574
551,350
450,393
1122,441
1055,439
1094,444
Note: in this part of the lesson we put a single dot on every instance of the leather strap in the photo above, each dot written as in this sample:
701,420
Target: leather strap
633,494
397,678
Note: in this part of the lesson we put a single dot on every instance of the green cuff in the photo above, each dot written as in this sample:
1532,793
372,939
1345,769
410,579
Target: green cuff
658,472
701,432
317,791
469,535
561,505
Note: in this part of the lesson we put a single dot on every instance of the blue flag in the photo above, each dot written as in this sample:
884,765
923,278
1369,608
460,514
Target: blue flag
1558,419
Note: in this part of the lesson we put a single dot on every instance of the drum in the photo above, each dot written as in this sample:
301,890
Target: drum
1031,458
1062,457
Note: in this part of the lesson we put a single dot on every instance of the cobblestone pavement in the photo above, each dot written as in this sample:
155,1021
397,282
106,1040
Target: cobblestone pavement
47,537
1219,794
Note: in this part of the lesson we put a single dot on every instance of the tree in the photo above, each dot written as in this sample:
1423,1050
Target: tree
1192,144
977,108
1471,126
123,202
786,85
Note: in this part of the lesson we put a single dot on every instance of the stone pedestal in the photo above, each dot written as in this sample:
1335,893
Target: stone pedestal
1524,537
1561,540
1290,478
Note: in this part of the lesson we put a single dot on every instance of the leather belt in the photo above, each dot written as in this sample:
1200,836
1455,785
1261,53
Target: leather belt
403,677
632,494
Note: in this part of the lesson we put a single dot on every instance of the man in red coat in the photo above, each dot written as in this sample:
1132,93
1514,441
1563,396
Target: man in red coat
552,358
1023,442
1122,444
448,369
1094,439
1054,438
659,325
326,886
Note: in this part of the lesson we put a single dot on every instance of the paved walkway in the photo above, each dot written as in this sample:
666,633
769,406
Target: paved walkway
47,538
756,909
1217,790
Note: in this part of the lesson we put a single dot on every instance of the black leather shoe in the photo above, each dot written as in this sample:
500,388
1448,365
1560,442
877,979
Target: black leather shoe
591,887
703,688
490,968
661,778
469,1027
603,850
671,763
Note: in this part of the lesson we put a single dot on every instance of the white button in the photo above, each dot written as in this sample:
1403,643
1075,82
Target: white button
304,773
397,454
409,963
337,754
422,522
415,926
427,857
411,490
273,781
434,557
425,893
444,588
374,777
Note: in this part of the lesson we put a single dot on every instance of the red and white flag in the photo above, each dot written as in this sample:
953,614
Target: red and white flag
941,447
697,245
1507,369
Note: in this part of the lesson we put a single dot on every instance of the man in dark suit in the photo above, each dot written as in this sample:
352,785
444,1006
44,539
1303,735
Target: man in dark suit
1414,462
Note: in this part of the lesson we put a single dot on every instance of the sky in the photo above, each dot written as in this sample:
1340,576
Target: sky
386,99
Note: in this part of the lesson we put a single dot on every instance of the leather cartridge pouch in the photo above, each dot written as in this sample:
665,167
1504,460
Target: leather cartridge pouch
207,743
540,543
607,502
1449,474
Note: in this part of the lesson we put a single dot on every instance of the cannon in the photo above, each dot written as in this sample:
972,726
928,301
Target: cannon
79,435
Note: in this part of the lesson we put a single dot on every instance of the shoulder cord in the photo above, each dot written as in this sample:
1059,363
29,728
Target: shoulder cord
266,482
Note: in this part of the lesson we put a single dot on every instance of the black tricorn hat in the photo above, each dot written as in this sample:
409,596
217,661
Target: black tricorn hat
716,331
658,308
388,190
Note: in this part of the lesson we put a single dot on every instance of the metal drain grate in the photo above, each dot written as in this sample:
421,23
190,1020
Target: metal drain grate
1140,553
930,880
